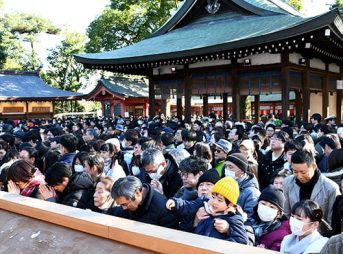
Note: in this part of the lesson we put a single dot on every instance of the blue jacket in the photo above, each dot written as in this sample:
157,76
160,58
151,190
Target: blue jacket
249,194
236,232
186,210
67,158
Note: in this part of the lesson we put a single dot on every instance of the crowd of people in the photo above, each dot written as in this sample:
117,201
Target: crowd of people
275,187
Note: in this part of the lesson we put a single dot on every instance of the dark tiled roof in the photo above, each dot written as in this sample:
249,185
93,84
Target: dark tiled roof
126,87
221,32
28,85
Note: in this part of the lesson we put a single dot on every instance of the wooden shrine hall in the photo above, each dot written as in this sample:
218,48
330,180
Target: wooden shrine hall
236,49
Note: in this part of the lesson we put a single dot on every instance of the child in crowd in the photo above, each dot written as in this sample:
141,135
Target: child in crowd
222,220
270,226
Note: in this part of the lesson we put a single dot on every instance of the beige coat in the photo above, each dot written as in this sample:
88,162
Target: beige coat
324,193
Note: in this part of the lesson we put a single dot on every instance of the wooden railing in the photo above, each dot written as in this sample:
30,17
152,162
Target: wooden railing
130,233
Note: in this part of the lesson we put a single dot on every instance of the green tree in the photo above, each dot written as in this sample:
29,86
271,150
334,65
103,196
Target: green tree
64,72
297,4
17,29
127,22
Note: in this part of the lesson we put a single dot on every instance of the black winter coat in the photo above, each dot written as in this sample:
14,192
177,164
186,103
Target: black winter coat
152,210
268,169
78,192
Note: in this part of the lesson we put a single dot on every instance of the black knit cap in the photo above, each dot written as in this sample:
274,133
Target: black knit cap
239,160
211,176
273,195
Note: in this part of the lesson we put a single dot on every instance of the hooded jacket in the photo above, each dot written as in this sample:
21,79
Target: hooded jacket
236,231
249,194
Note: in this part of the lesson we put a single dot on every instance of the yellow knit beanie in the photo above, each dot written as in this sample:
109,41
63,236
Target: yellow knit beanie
228,188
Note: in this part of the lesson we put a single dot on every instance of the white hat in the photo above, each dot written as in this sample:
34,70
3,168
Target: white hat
330,117
114,141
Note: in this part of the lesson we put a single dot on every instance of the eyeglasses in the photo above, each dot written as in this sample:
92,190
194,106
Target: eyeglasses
276,139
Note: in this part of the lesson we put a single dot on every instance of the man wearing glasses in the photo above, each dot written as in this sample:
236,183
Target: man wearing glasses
142,203
274,159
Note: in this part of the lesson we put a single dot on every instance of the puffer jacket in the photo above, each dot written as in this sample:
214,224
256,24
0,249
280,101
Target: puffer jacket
236,232
249,194
79,191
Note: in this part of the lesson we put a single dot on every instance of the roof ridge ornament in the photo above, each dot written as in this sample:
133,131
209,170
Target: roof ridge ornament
212,6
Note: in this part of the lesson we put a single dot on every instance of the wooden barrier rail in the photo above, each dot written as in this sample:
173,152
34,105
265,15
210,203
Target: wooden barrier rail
130,233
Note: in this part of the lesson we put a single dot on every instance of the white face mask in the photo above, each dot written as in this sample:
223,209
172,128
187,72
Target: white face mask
135,170
157,175
123,144
266,213
297,226
78,168
230,173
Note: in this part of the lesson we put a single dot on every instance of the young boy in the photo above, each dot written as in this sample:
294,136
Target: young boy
222,220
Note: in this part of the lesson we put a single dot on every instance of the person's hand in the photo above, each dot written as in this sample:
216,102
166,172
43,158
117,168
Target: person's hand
261,246
222,226
13,188
47,192
170,204
241,212
157,185
200,215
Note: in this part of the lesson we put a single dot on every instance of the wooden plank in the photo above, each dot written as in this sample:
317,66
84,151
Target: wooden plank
128,232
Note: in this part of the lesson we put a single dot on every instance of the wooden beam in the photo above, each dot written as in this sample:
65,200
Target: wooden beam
325,93
298,105
285,85
339,100
205,105
236,111
152,101
225,107
188,95
257,108
141,235
305,90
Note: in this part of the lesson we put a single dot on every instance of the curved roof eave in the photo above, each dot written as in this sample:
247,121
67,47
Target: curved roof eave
308,25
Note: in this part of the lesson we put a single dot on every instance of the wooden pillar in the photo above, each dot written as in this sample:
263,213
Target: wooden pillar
163,105
325,93
306,93
298,105
152,101
187,94
257,108
205,105
235,91
339,101
285,85
225,107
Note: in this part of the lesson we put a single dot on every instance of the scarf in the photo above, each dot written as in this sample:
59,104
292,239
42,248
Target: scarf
265,228
307,188
292,245
38,179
